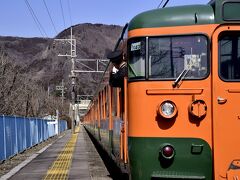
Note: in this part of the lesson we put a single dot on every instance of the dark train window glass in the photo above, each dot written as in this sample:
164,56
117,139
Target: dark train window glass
136,57
229,56
231,11
170,56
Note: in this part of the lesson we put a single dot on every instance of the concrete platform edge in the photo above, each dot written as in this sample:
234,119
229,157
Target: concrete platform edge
27,161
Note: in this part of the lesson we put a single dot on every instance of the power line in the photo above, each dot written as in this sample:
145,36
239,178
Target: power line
54,27
164,4
160,4
62,13
40,27
29,8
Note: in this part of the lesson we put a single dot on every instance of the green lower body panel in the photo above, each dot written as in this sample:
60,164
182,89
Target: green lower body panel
98,134
110,145
192,159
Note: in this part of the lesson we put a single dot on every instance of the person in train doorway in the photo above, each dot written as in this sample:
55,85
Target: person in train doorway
119,70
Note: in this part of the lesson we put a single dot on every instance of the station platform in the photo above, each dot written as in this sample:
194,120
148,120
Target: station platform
72,156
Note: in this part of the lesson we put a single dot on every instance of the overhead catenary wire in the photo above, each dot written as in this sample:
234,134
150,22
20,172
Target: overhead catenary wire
37,22
32,14
164,4
62,14
160,4
54,27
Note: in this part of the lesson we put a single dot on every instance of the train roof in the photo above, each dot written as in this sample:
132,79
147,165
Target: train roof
215,12
174,16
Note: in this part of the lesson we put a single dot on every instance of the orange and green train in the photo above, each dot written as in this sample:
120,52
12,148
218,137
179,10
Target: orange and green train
180,114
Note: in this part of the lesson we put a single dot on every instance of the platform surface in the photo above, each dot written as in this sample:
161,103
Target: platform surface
69,157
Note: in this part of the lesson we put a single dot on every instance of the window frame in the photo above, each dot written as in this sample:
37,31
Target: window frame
207,56
223,11
219,59
139,78
169,79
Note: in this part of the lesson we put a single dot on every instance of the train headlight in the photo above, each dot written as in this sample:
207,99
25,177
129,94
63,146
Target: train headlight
167,109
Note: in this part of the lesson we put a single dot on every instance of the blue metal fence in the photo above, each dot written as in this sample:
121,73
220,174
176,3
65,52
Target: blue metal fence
20,133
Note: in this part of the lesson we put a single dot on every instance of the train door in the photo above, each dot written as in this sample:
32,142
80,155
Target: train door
226,102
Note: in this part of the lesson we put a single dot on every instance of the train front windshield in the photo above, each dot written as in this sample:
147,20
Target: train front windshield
168,57
137,58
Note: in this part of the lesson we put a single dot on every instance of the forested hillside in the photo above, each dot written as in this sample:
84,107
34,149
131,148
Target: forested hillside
31,69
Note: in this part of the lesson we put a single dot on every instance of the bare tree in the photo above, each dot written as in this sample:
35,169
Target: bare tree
20,95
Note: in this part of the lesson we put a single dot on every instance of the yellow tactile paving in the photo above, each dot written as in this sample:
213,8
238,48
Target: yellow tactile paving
60,167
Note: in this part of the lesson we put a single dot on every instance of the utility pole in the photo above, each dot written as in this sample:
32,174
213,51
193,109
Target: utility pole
61,88
97,67
99,63
72,55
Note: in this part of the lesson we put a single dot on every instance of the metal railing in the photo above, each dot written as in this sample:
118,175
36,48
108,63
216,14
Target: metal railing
20,133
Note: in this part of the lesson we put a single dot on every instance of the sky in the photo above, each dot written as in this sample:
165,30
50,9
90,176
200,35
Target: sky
56,15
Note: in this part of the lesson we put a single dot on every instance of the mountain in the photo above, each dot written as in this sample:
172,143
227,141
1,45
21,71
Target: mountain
37,58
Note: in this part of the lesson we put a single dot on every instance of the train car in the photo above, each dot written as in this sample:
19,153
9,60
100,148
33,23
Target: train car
181,118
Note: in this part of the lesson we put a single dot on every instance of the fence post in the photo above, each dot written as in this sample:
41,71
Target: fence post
16,133
25,132
42,124
36,129
40,130
4,137
57,123
31,131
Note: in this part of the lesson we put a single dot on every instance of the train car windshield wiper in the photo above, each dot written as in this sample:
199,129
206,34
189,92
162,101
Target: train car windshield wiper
180,77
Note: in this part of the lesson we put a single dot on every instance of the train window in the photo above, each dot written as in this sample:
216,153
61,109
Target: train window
170,56
231,11
229,56
136,57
